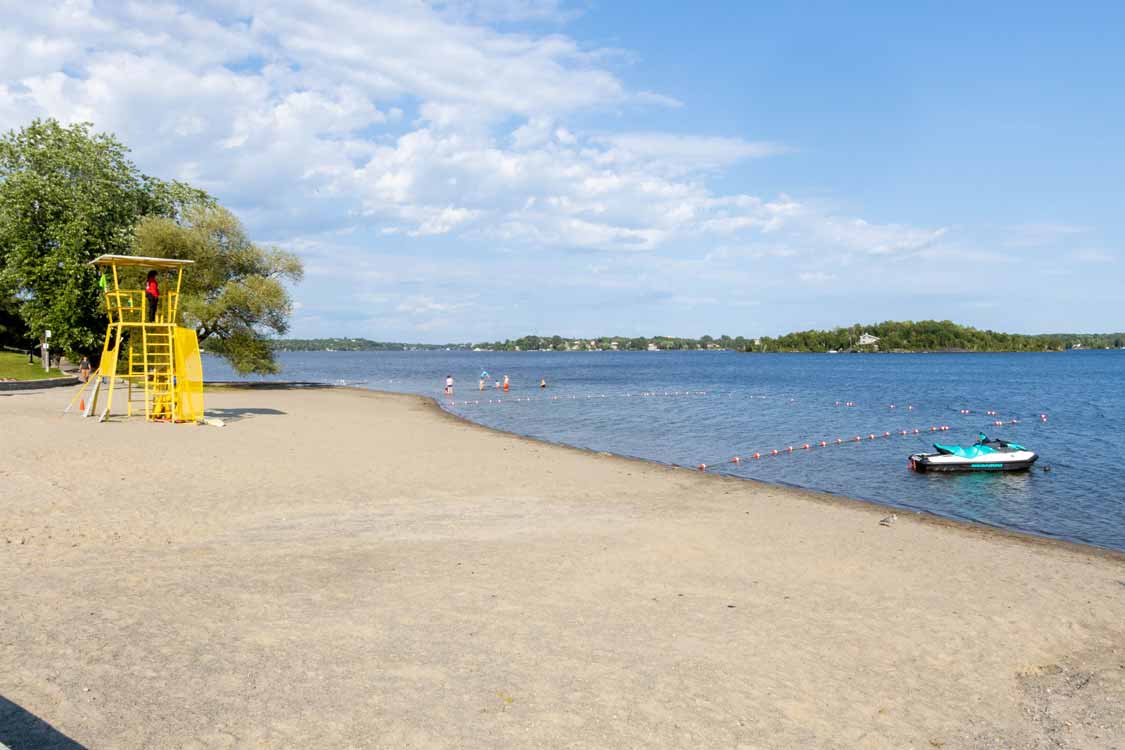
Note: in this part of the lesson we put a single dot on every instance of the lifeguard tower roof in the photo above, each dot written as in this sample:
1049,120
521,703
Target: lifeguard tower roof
139,261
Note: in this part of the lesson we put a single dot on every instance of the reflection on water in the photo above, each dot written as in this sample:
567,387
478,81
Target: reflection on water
702,407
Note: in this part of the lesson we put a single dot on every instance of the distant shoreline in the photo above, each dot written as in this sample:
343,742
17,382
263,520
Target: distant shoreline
889,335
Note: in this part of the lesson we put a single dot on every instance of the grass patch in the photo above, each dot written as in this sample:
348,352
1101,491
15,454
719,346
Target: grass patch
14,366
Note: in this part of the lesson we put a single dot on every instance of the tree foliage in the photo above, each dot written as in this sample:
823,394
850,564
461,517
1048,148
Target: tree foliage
13,329
355,345
925,335
614,343
929,335
235,294
67,196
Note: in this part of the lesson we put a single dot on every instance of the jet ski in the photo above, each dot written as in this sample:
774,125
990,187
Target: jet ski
984,455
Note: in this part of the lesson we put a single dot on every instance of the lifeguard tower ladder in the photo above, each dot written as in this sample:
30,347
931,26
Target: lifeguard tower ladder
157,360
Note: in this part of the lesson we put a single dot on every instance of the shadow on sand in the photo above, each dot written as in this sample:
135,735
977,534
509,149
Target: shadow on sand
255,385
20,730
235,414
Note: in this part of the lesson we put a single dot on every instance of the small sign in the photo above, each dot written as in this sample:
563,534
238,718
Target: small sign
47,334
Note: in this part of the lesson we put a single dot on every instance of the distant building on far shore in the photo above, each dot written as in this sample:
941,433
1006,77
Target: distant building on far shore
868,340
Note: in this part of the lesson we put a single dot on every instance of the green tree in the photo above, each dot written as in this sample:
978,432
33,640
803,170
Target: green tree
67,196
13,329
235,295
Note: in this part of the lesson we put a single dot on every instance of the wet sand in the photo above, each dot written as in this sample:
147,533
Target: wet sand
338,569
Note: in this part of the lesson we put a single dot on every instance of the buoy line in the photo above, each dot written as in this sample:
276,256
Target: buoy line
577,397
812,445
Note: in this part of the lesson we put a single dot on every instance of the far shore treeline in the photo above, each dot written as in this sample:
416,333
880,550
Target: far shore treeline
893,336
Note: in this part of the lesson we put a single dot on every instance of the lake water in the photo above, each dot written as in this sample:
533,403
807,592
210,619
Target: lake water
688,408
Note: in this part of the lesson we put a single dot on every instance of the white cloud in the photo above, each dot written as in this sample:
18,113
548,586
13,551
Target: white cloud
507,11
406,49
425,128
734,253
443,221
1043,233
419,305
285,115
660,100
683,153
300,132
689,301
876,239
1090,255
953,253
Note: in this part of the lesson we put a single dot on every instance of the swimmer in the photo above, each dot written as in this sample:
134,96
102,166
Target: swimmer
448,385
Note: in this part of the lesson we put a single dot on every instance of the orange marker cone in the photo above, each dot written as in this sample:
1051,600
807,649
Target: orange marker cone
81,404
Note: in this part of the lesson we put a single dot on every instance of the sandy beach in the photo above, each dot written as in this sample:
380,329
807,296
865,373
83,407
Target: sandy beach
345,569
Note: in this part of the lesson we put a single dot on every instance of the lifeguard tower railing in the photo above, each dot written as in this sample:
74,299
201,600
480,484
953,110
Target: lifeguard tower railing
156,360
129,306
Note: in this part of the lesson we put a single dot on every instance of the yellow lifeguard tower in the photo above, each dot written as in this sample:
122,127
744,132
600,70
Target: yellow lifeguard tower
157,360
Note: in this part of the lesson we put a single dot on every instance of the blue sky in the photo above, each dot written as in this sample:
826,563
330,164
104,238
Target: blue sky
479,170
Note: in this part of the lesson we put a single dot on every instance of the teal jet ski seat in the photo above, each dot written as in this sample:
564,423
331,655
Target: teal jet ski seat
972,451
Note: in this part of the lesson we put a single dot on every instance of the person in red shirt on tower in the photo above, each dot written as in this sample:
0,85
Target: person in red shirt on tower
152,295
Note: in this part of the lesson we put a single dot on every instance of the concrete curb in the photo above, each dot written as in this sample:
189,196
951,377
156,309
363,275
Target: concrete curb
29,385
